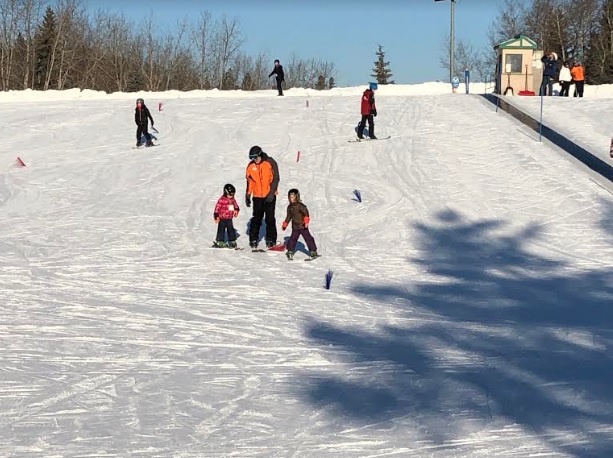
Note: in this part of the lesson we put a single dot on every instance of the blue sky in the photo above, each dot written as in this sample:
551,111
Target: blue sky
412,32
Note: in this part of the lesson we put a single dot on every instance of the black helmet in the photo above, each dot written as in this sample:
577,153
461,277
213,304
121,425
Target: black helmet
254,152
229,189
141,101
294,192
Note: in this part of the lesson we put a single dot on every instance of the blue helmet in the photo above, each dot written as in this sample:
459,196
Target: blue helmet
373,86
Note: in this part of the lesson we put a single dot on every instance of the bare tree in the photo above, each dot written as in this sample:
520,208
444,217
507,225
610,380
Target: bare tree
31,14
173,46
465,56
226,43
18,20
67,47
151,54
511,21
201,38
582,23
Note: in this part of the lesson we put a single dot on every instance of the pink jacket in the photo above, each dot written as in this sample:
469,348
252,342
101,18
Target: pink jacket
226,208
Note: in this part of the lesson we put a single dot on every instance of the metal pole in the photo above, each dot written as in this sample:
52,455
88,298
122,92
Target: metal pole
452,42
541,120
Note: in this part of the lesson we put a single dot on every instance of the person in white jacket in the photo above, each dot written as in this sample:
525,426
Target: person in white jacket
565,80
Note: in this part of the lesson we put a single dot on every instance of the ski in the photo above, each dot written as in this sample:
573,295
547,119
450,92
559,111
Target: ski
313,258
144,146
357,140
227,248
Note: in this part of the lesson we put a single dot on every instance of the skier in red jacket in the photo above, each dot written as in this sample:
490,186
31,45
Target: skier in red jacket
369,111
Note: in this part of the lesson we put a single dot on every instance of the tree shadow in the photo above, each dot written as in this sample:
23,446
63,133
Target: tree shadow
496,334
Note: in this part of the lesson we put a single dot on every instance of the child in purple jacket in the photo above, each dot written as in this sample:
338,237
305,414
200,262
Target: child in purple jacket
298,214
226,209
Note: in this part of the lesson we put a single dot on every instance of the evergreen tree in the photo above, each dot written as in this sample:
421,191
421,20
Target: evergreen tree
18,77
45,39
247,82
382,72
135,82
331,83
229,81
321,83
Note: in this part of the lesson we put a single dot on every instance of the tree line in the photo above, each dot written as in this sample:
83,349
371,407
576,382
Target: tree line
579,30
63,45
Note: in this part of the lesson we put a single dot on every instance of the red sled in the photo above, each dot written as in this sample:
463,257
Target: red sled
278,247
526,93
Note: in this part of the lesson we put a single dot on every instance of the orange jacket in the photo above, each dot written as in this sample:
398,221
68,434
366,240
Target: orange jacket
259,177
577,73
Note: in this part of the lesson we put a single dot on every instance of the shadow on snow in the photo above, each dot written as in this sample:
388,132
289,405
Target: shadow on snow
500,335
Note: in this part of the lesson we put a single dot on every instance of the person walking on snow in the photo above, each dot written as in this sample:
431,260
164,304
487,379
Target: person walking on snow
262,176
141,117
298,214
226,208
368,110
280,76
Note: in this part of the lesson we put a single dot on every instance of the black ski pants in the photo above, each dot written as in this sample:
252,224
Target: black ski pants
143,129
371,126
225,226
579,88
263,210
279,87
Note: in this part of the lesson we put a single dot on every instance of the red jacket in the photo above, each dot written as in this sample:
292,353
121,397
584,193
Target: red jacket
226,208
368,103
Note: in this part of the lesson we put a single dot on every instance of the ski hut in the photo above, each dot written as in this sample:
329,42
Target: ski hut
518,67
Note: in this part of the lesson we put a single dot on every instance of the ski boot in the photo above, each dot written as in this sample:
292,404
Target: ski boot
270,243
313,254
137,143
290,255
231,244
219,244
149,143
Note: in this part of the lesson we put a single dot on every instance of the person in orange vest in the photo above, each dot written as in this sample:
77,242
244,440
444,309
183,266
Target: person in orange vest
578,79
262,176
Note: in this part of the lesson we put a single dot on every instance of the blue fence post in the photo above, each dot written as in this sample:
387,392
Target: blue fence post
466,79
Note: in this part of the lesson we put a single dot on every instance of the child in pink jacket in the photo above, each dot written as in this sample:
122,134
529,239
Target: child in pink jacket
226,209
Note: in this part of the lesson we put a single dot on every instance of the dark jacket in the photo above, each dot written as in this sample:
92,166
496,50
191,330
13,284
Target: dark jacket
274,186
141,115
278,71
550,66
296,213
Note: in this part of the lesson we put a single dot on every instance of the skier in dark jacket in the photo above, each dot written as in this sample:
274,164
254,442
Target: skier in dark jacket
278,71
298,215
141,118
368,109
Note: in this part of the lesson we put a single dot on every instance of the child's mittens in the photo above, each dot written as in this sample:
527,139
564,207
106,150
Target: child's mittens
284,225
235,213
216,218
305,221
